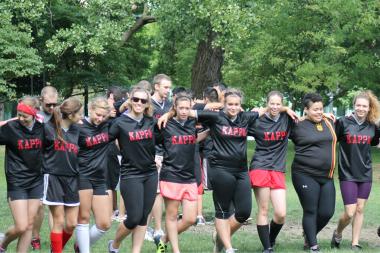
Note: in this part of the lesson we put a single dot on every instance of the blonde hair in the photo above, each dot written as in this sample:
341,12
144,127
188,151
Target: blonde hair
149,109
374,106
99,102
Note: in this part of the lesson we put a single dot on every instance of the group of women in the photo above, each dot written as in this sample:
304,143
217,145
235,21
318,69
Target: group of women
72,153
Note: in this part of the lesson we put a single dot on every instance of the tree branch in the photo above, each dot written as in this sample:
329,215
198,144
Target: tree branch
140,22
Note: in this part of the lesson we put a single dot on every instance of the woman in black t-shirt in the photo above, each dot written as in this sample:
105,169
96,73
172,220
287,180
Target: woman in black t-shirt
267,170
60,165
23,139
135,133
93,162
313,168
356,134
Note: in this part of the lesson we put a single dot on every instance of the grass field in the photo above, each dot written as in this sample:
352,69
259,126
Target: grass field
198,239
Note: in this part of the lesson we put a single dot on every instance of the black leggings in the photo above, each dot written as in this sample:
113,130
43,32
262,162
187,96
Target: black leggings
138,195
231,190
317,197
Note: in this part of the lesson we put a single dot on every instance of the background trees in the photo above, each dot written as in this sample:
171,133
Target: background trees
329,46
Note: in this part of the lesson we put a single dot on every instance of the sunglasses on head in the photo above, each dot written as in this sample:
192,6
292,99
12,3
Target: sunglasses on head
143,100
51,104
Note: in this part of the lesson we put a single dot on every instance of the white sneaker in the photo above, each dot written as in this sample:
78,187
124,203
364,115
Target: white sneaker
158,233
149,234
200,221
111,249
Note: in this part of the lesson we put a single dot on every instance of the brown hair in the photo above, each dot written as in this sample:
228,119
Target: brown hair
149,109
68,107
99,102
374,107
233,92
31,101
182,96
275,93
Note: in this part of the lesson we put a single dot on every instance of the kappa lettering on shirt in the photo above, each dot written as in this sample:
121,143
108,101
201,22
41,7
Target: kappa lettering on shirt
183,139
65,146
358,139
234,131
97,139
275,136
140,135
26,144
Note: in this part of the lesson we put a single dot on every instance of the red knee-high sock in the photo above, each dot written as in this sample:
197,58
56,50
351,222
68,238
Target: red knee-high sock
56,242
65,238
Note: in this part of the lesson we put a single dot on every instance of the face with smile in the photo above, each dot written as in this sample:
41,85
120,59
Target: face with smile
139,102
274,105
25,119
98,115
361,108
232,105
314,112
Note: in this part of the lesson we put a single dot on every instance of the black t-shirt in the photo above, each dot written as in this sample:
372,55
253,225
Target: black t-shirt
23,154
355,141
137,145
179,143
159,110
93,150
271,142
60,157
229,138
314,149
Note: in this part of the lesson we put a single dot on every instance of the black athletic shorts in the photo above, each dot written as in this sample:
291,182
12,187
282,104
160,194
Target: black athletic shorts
35,192
99,187
61,190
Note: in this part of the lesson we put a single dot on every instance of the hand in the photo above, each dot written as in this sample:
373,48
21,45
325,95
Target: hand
330,116
163,120
292,114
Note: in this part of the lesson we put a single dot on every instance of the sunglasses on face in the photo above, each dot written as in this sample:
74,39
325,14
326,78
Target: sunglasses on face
136,100
51,105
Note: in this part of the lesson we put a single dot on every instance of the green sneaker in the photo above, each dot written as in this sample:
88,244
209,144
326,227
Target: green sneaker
161,246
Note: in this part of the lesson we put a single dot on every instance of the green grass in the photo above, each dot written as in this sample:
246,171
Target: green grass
198,239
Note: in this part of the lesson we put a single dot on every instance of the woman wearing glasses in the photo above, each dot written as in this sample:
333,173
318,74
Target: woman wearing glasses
138,174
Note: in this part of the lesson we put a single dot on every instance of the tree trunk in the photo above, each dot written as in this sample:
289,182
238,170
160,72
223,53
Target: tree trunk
206,69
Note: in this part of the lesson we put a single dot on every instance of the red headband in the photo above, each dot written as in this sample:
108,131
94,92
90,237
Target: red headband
21,107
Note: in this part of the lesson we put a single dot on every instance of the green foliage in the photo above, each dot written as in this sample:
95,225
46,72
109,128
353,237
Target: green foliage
17,57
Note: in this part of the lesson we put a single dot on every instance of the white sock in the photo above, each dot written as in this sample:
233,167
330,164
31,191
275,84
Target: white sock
82,233
95,234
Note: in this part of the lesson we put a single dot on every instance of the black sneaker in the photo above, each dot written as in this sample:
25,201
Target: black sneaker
378,231
356,247
315,250
305,242
335,240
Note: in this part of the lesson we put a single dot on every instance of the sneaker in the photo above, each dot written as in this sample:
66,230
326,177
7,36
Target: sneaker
378,231
115,215
76,248
315,249
268,250
36,243
247,221
121,218
149,234
230,251
356,247
336,240
158,233
200,221
161,246
111,249
218,244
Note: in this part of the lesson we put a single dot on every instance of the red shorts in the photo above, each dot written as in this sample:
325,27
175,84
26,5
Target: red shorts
267,178
177,191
